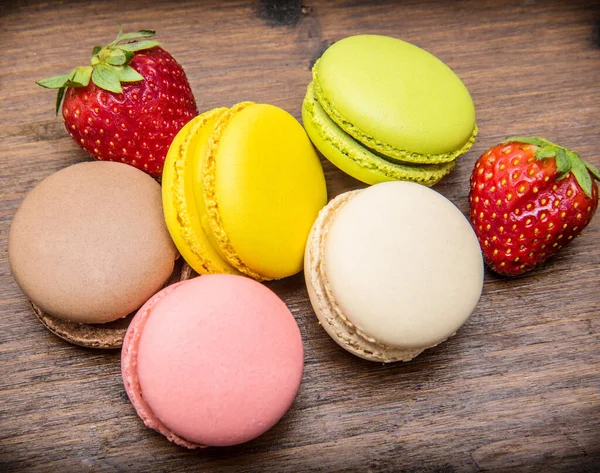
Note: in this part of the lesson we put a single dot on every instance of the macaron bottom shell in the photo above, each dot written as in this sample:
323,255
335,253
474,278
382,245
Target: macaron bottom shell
213,361
106,336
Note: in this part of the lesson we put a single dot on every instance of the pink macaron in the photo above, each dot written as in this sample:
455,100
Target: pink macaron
213,361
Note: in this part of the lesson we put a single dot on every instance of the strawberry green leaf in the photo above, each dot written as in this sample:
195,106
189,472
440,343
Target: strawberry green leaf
59,97
96,50
593,170
563,163
55,82
81,75
545,152
139,45
78,77
107,78
525,139
581,173
129,74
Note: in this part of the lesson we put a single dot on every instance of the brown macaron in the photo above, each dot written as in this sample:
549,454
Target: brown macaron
89,245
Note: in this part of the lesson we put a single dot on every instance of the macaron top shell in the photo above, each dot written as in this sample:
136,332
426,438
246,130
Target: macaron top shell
263,188
218,362
392,95
403,265
89,243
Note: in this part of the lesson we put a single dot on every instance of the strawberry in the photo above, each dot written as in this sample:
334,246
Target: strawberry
129,104
528,198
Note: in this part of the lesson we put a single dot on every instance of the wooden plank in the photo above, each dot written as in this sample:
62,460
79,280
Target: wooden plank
517,389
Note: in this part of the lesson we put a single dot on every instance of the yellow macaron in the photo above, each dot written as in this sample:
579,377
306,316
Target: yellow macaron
241,190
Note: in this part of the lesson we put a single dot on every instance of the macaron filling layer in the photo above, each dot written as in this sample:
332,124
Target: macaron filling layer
366,164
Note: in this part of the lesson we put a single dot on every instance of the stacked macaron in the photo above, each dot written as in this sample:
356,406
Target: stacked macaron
217,360
382,109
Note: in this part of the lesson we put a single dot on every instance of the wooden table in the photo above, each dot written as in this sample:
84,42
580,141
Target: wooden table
517,389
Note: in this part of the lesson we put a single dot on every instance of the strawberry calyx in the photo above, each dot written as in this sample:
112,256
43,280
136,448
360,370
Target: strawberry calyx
109,66
567,161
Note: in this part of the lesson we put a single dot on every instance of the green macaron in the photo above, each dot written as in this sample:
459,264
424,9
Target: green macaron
383,109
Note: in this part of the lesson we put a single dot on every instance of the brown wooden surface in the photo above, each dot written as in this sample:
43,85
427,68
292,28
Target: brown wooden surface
517,389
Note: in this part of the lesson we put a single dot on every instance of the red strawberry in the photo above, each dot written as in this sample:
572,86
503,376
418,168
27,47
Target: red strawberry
129,104
529,198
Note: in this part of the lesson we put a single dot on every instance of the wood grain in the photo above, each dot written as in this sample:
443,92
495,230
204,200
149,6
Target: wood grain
516,390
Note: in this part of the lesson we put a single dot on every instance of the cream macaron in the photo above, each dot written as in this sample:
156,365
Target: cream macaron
392,269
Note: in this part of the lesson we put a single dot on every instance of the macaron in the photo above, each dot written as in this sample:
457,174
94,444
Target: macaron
241,188
382,109
392,270
88,246
212,361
